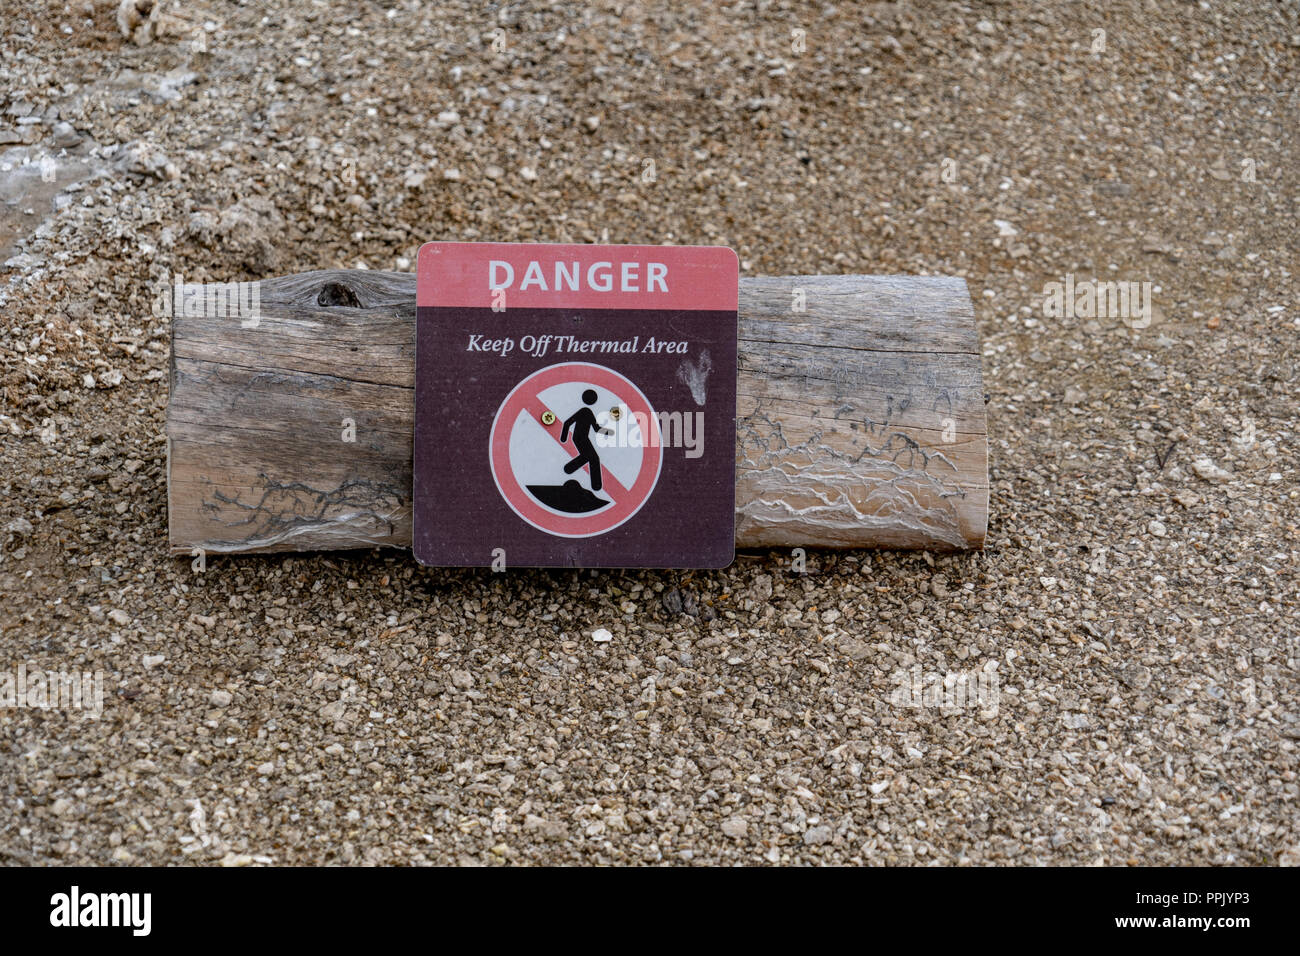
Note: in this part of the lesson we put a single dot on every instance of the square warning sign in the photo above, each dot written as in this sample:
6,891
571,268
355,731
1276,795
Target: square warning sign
575,406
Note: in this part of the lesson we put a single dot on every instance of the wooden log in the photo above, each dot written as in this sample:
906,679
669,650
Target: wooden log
860,420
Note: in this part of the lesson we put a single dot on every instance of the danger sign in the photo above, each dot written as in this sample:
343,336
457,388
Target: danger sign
571,412
553,468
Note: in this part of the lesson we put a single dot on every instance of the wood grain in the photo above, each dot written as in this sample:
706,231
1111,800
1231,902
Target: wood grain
860,421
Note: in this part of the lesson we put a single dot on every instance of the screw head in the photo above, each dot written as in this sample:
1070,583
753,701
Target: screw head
548,417
616,413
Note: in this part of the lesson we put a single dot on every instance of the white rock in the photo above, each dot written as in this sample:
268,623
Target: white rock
1157,528
817,836
151,661
334,710
19,526
146,159
601,635
118,616
137,20
65,137
735,826
1207,469
222,698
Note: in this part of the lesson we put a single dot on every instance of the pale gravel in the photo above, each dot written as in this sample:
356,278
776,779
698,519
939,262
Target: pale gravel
1138,597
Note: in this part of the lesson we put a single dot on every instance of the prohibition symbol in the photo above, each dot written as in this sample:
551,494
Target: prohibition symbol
575,450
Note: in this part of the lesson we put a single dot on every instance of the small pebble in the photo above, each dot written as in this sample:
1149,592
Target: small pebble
1207,469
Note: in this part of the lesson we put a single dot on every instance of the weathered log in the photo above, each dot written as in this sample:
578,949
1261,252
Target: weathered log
860,420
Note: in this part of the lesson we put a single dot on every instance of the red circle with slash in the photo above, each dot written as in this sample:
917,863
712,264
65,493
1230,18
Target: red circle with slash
625,500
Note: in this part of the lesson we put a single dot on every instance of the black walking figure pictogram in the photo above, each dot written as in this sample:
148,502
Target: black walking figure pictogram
582,422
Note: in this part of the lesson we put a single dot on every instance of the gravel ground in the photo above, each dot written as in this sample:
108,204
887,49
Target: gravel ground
1135,611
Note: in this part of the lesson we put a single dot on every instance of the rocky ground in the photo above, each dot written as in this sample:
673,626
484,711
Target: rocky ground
1137,601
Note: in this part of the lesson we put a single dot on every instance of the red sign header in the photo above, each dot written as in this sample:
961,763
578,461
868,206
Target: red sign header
505,275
